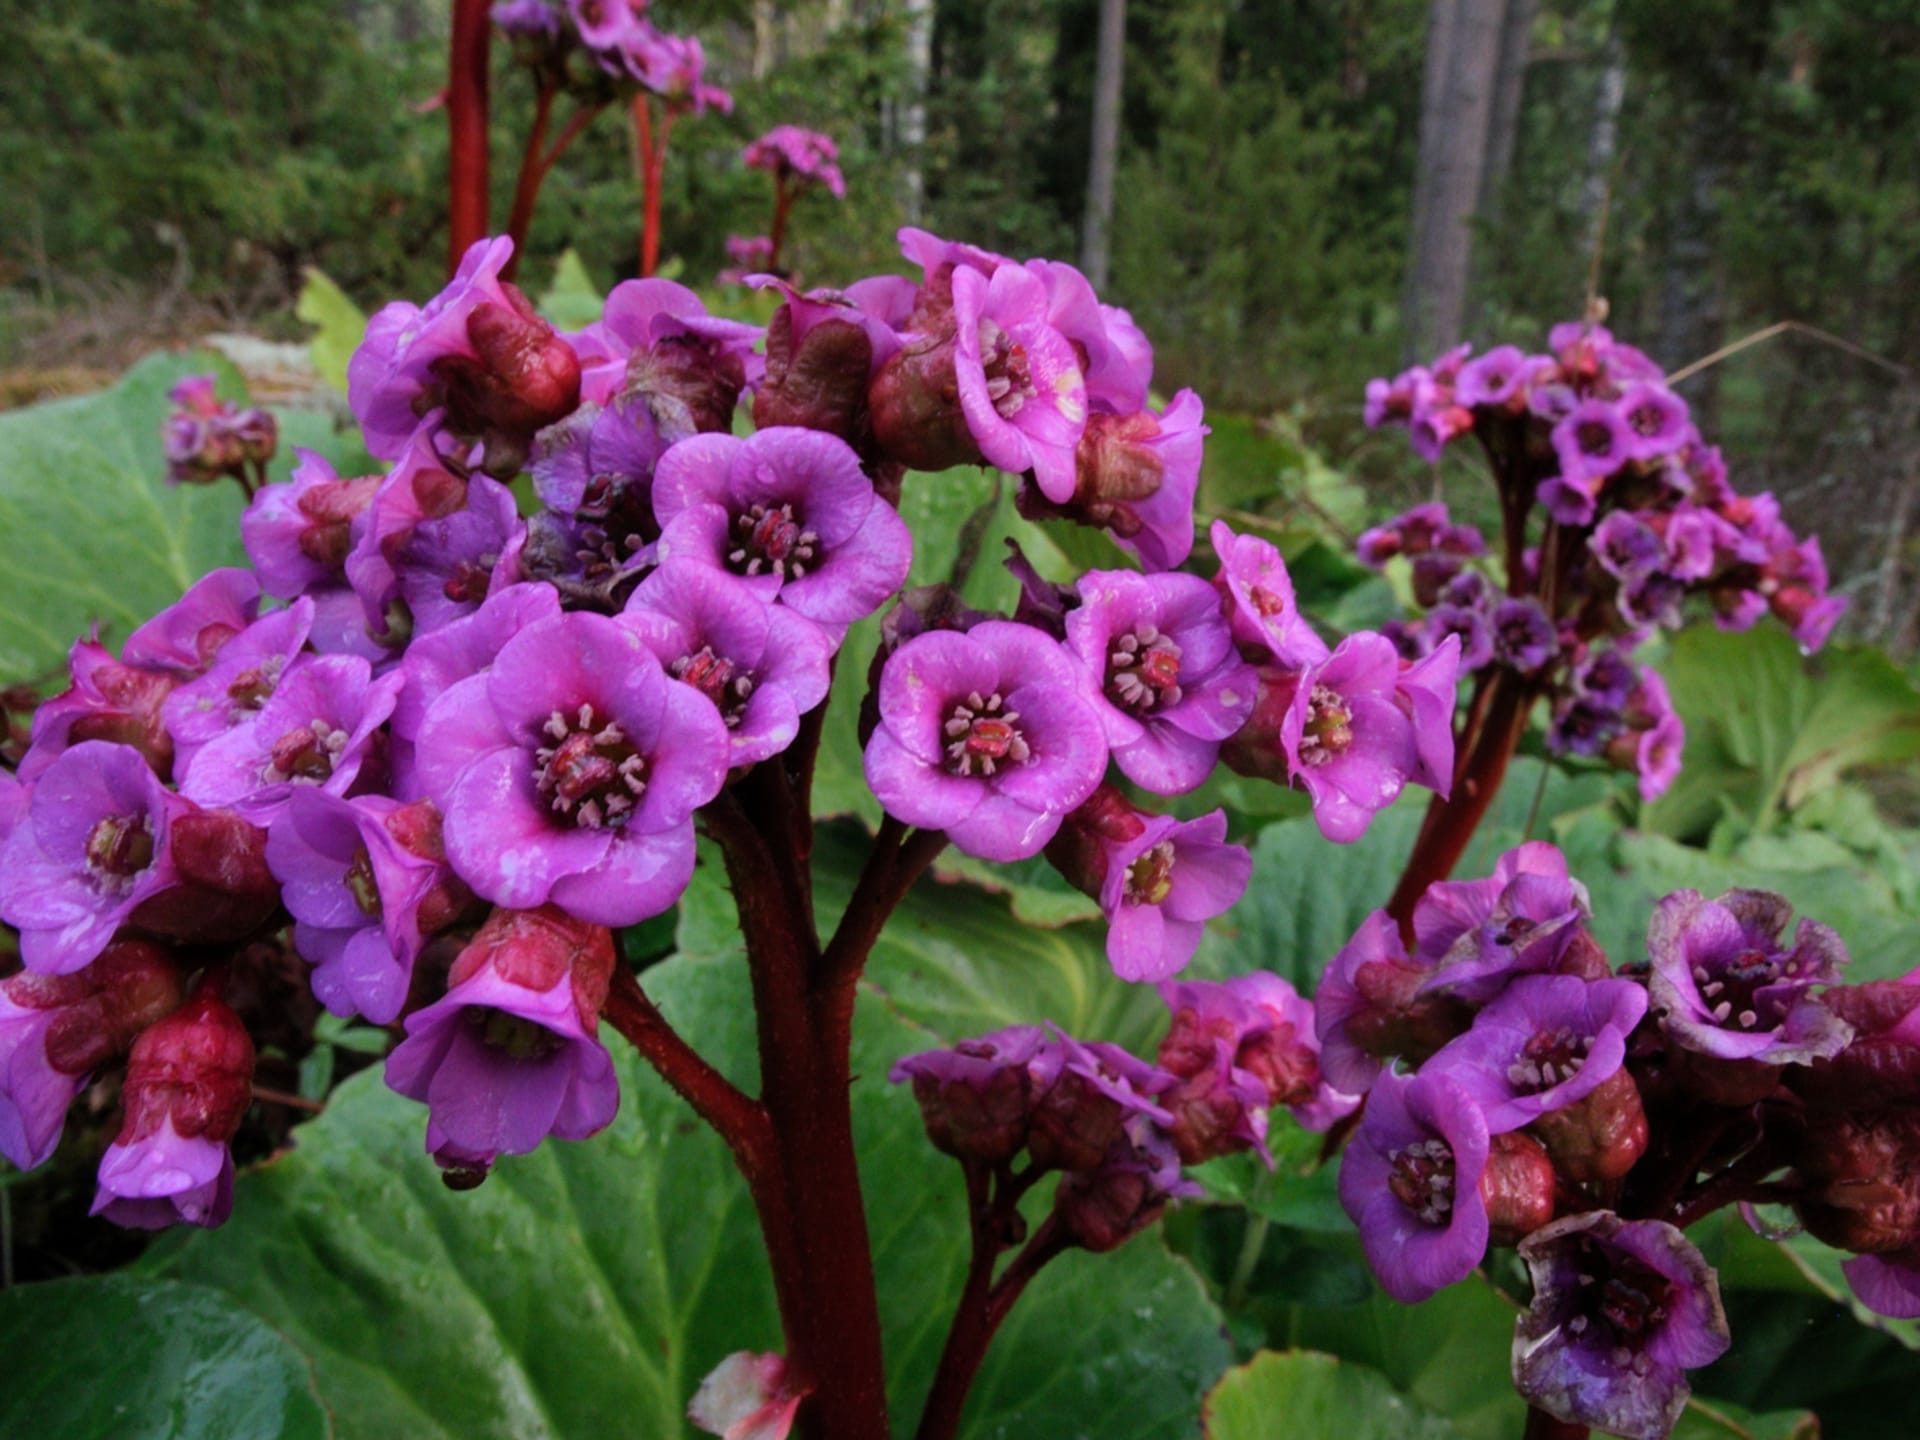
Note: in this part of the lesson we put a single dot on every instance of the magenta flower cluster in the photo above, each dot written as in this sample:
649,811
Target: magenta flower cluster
592,44
798,157
1642,517
206,438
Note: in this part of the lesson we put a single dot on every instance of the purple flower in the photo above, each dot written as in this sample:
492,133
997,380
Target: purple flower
477,352
92,847
763,666
791,513
1496,379
437,662
298,534
1020,385
1547,1041
1161,888
1729,988
977,1097
1622,1309
570,770
1436,426
603,24
532,18
509,1056
445,567
1473,627
674,67
1104,1207
1265,1029
1346,740
184,638
1886,1284
1626,547
320,727
987,735
1366,990
1137,475
1524,639
417,490
1426,692
1655,417
240,681
1397,399
1411,1183
1592,442
656,342
1482,933
1084,1096
1169,683
189,1084
1117,361
788,152
366,883
109,701
1264,616
598,464
34,1093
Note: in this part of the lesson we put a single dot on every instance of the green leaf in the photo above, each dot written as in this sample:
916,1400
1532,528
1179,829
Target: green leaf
572,301
90,531
1299,1192
1766,727
1707,1419
586,1289
131,1358
1304,1395
341,325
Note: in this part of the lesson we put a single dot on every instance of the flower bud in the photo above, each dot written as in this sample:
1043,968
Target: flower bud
520,378
1516,1187
976,1098
690,385
1086,1095
222,887
816,379
1862,1178
1103,1208
914,405
1600,1137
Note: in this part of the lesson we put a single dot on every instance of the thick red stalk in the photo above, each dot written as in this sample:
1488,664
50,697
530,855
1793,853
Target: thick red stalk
527,188
782,203
467,202
653,167
1542,1426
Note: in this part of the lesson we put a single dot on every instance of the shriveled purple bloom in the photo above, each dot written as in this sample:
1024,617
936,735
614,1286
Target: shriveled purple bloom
1365,987
1170,686
444,568
509,1056
1524,638
1021,388
791,513
92,847
298,534
656,340
1547,1041
1497,378
1411,1182
977,1096
599,461
184,638
107,700
1520,920
1264,617
320,727
356,876
763,666
240,681
988,735
1413,532
790,153
1162,886
1622,1309
1347,742
1655,417
570,770
1729,987
1084,1094
1265,1028
417,490
1104,1207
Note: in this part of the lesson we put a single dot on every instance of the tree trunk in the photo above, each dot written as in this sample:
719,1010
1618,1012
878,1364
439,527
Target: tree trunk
1692,317
1105,151
913,113
1509,89
1456,110
1603,139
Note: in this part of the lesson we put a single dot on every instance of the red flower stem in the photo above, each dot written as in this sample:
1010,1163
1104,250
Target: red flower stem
532,171
653,168
1542,1426
981,1311
782,202
467,200
833,1326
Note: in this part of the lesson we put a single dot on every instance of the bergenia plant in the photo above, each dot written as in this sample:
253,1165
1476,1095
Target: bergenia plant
591,616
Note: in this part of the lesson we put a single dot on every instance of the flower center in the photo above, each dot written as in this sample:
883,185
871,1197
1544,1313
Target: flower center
591,772
1595,439
253,688
1143,670
982,736
305,755
717,678
1518,928
362,886
467,584
1422,1179
1329,728
772,542
119,847
1646,419
513,1035
1150,878
1550,1058
1629,1299
1267,602
1732,994
1009,377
